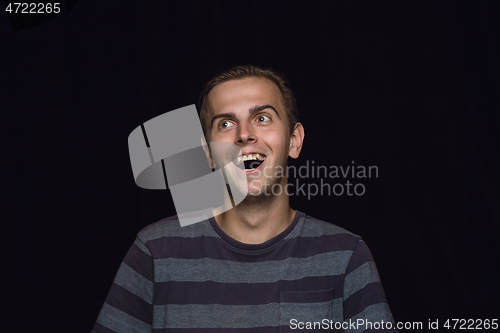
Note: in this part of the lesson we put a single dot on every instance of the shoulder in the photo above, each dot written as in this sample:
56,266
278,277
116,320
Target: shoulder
327,242
327,232
171,227
338,238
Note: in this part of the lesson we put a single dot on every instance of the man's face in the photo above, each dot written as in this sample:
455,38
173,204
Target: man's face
250,113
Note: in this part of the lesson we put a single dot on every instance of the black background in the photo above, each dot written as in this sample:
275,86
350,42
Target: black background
409,86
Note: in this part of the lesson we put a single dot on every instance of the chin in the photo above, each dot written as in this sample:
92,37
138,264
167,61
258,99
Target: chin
256,199
250,191
255,187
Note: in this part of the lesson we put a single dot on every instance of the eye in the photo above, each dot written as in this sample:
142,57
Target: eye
225,124
262,118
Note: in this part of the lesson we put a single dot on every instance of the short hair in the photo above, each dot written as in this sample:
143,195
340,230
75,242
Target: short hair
244,71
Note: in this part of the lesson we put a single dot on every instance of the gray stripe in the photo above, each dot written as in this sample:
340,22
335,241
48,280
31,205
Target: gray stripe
360,277
241,316
375,314
296,232
172,228
119,321
225,271
310,227
142,246
135,283
215,316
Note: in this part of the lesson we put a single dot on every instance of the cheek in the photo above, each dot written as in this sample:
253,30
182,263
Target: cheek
276,141
280,145
224,136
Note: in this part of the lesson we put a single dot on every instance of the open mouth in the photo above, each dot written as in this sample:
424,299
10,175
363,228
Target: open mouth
249,162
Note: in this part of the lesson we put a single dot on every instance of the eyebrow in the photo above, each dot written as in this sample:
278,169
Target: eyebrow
251,111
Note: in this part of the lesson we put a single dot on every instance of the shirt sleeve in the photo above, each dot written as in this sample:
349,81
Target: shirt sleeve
364,299
129,304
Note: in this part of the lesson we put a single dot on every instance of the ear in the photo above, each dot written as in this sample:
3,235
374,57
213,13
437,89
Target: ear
296,140
208,153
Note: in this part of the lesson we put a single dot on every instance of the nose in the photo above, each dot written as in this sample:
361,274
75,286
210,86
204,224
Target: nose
245,133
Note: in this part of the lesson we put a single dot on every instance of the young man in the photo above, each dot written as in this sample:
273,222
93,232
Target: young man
260,266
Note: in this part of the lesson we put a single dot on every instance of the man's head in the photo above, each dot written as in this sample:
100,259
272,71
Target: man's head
245,71
251,111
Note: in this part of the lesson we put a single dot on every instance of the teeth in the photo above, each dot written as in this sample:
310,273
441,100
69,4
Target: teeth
255,157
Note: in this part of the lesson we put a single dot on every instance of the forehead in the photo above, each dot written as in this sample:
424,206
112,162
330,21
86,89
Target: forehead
243,93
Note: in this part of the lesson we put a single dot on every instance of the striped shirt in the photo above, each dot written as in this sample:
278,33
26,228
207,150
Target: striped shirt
197,279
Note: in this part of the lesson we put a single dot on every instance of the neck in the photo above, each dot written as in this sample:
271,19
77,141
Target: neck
257,222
